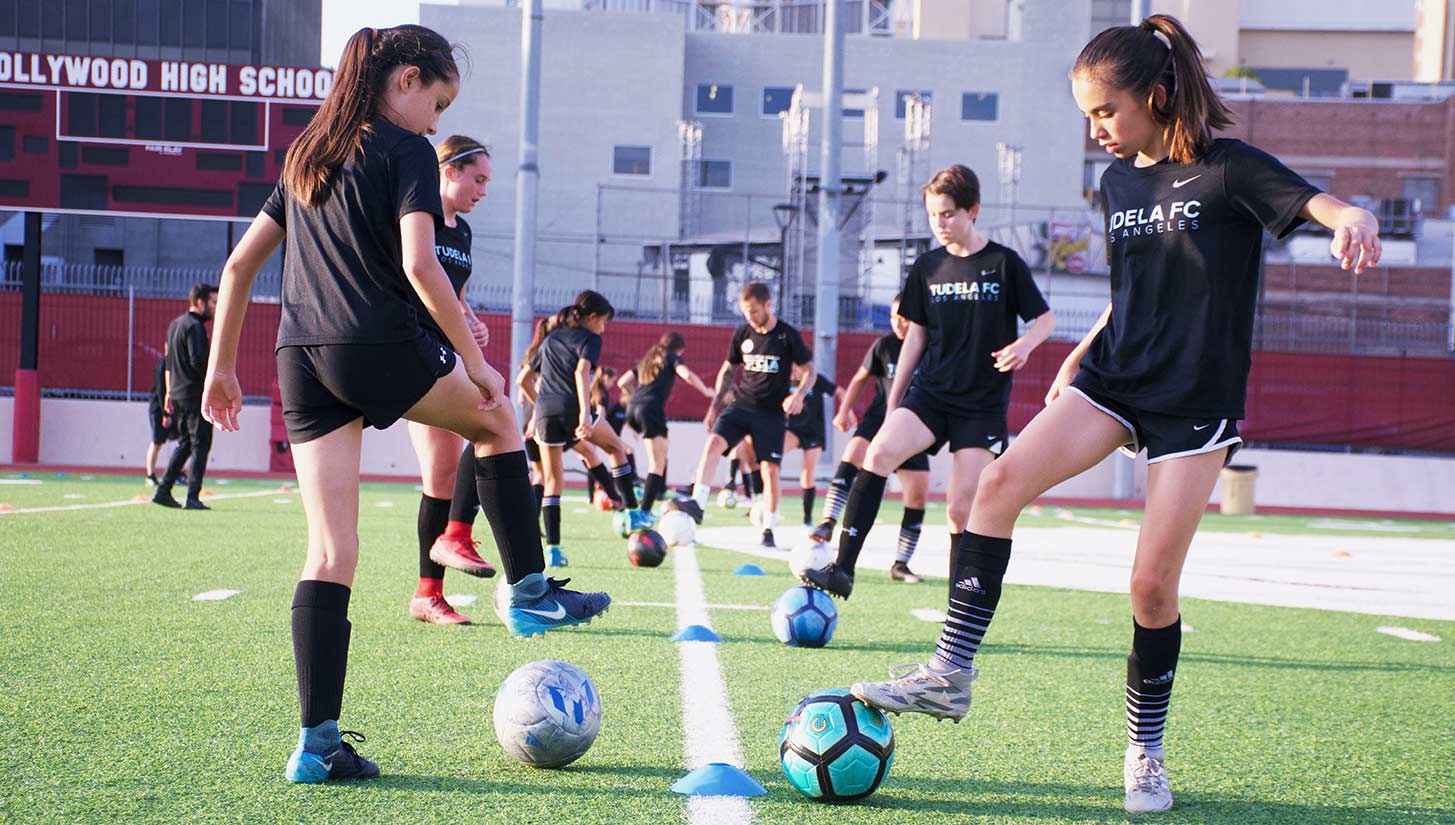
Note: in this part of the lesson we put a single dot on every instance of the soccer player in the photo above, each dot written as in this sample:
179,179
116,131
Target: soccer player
446,461
880,363
649,385
187,350
767,349
358,205
1165,369
163,427
962,300
807,431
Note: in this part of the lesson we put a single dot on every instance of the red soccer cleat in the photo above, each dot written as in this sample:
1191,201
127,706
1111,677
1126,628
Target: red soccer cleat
459,554
435,610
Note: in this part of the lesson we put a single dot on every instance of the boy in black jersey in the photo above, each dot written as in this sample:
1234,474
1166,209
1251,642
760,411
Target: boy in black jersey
952,382
358,204
1164,369
163,428
767,349
807,431
648,385
880,363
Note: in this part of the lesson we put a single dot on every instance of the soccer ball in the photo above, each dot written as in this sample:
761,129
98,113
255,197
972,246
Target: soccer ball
804,617
677,528
601,500
646,549
757,512
547,713
810,554
727,499
835,748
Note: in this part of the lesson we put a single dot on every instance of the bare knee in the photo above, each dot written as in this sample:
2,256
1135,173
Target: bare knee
957,512
876,462
1154,597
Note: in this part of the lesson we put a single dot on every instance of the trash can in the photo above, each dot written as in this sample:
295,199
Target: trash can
1237,498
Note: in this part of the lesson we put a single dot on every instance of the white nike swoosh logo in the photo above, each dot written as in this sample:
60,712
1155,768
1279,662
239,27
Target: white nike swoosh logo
558,613
1203,427
1177,184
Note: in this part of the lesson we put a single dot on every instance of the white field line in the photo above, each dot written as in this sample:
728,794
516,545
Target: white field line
1407,634
707,723
105,504
709,607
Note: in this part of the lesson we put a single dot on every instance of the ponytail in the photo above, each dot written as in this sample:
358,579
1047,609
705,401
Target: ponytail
336,132
601,387
656,357
544,327
1160,52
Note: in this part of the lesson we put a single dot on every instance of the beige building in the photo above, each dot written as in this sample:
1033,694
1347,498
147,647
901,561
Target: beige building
1434,40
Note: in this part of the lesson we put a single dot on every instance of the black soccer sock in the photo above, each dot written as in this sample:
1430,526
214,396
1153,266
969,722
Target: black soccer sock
603,479
757,478
859,514
1150,670
320,648
652,490
434,513
503,484
838,496
625,489
733,474
539,492
809,494
974,593
909,527
590,486
631,466
465,500
954,557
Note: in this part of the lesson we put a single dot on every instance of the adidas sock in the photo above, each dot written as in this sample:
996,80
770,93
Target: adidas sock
809,494
551,509
503,484
974,593
838,496
1150,671
909,527
652,490
320,649
465,500
859,514
603,479
625,488
434,514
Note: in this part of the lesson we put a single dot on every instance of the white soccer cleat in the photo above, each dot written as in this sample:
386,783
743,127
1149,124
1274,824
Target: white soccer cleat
1145,779
917,688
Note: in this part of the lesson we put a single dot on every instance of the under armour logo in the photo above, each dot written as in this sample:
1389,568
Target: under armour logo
852,531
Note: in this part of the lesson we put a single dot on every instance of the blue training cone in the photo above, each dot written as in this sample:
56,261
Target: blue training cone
696,633
718,779
749,570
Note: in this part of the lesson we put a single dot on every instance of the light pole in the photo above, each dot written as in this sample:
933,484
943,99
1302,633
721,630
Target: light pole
1009,158
784,214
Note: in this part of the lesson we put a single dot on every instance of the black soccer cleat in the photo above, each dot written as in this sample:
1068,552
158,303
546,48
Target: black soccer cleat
767,543
691,508
833,580
824,532
164,498
195,504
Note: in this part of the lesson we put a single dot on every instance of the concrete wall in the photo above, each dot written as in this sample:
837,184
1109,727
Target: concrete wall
1368,55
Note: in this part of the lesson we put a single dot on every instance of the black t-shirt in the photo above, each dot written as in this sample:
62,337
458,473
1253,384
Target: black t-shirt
159,387
811,419
766,358
1186,244
187,357
968,306
880,362
452,247
556,361
652,395
343,279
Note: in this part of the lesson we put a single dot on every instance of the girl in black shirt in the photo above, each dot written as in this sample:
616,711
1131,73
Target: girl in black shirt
649,385
358,205
1165,368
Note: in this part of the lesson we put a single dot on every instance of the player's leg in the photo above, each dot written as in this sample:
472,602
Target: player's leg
656,471
201,430
603,436
806,482
553,464
916,487
838,494
180,455
727,432
598,477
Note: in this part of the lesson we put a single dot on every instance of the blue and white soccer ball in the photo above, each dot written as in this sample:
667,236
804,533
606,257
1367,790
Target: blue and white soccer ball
547,713
835,748
804,617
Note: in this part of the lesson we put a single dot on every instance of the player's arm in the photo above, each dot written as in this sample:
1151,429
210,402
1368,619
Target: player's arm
1073,359
720,391
793,404
849,396
627,382
1014,355
478,330
909,354
221,393
686,374
526,381
1356,231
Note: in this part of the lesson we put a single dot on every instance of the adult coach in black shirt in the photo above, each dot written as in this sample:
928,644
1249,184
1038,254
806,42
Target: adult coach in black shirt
186,370
767,349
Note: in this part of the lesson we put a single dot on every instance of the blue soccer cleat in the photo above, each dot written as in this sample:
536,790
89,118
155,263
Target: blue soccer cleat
343,762
641,520
538,604
556,558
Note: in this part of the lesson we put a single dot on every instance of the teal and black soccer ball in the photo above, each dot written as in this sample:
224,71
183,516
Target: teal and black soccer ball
835,748
804,617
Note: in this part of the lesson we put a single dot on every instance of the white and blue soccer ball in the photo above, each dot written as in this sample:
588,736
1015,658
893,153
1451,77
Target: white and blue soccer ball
804,617
547,713
835,748
810,554
727,499
677,528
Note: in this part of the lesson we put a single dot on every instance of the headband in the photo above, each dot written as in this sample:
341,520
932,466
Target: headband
468,152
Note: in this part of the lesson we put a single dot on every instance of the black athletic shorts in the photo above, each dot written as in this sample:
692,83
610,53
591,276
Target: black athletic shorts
869,427
327,386
160,434
988,431
649,422
765,426
1163,436
559,430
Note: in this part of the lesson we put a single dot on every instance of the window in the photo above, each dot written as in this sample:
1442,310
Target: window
631,160
1422,188
110,257
979,106
776,100
901,99
715,174
854,113
713,99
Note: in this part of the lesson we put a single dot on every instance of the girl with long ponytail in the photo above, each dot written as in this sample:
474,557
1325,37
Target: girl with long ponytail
650,385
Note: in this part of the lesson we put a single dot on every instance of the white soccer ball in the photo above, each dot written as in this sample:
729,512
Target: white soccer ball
676,528
810,554
547,713
757,512
727,499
